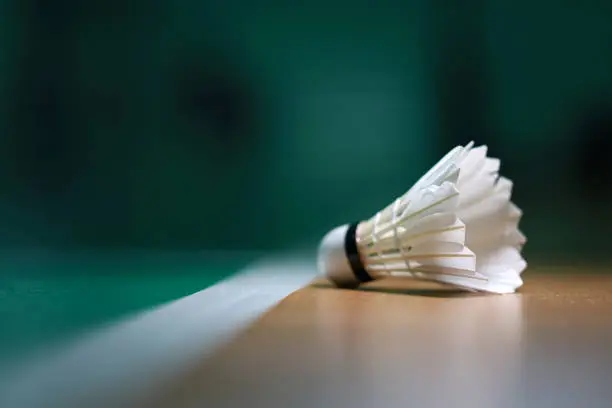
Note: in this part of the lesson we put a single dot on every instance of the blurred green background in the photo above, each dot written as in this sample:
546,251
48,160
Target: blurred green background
259,125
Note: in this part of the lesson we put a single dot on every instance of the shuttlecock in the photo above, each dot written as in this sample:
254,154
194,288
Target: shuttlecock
456,225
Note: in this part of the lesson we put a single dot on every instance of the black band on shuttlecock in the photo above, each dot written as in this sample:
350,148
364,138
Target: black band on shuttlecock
352,254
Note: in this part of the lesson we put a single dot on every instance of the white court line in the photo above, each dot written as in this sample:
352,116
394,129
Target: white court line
116,366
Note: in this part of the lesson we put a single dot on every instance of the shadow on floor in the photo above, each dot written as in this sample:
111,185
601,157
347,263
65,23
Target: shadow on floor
427,292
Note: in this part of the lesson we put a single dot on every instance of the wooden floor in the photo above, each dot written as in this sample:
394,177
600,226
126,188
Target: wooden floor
401,343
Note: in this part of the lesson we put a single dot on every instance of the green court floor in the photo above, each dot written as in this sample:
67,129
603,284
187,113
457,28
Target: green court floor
47,297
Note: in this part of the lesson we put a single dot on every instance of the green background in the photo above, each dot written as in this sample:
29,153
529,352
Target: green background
225,124
165,126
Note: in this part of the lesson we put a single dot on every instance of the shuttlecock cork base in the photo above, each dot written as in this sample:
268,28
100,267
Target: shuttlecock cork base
339,257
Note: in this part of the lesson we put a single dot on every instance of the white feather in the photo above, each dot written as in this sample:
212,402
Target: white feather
491,220
420,233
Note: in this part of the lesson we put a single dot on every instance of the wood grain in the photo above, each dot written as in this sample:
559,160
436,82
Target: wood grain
407,343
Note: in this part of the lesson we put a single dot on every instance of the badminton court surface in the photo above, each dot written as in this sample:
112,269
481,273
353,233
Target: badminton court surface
272,335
